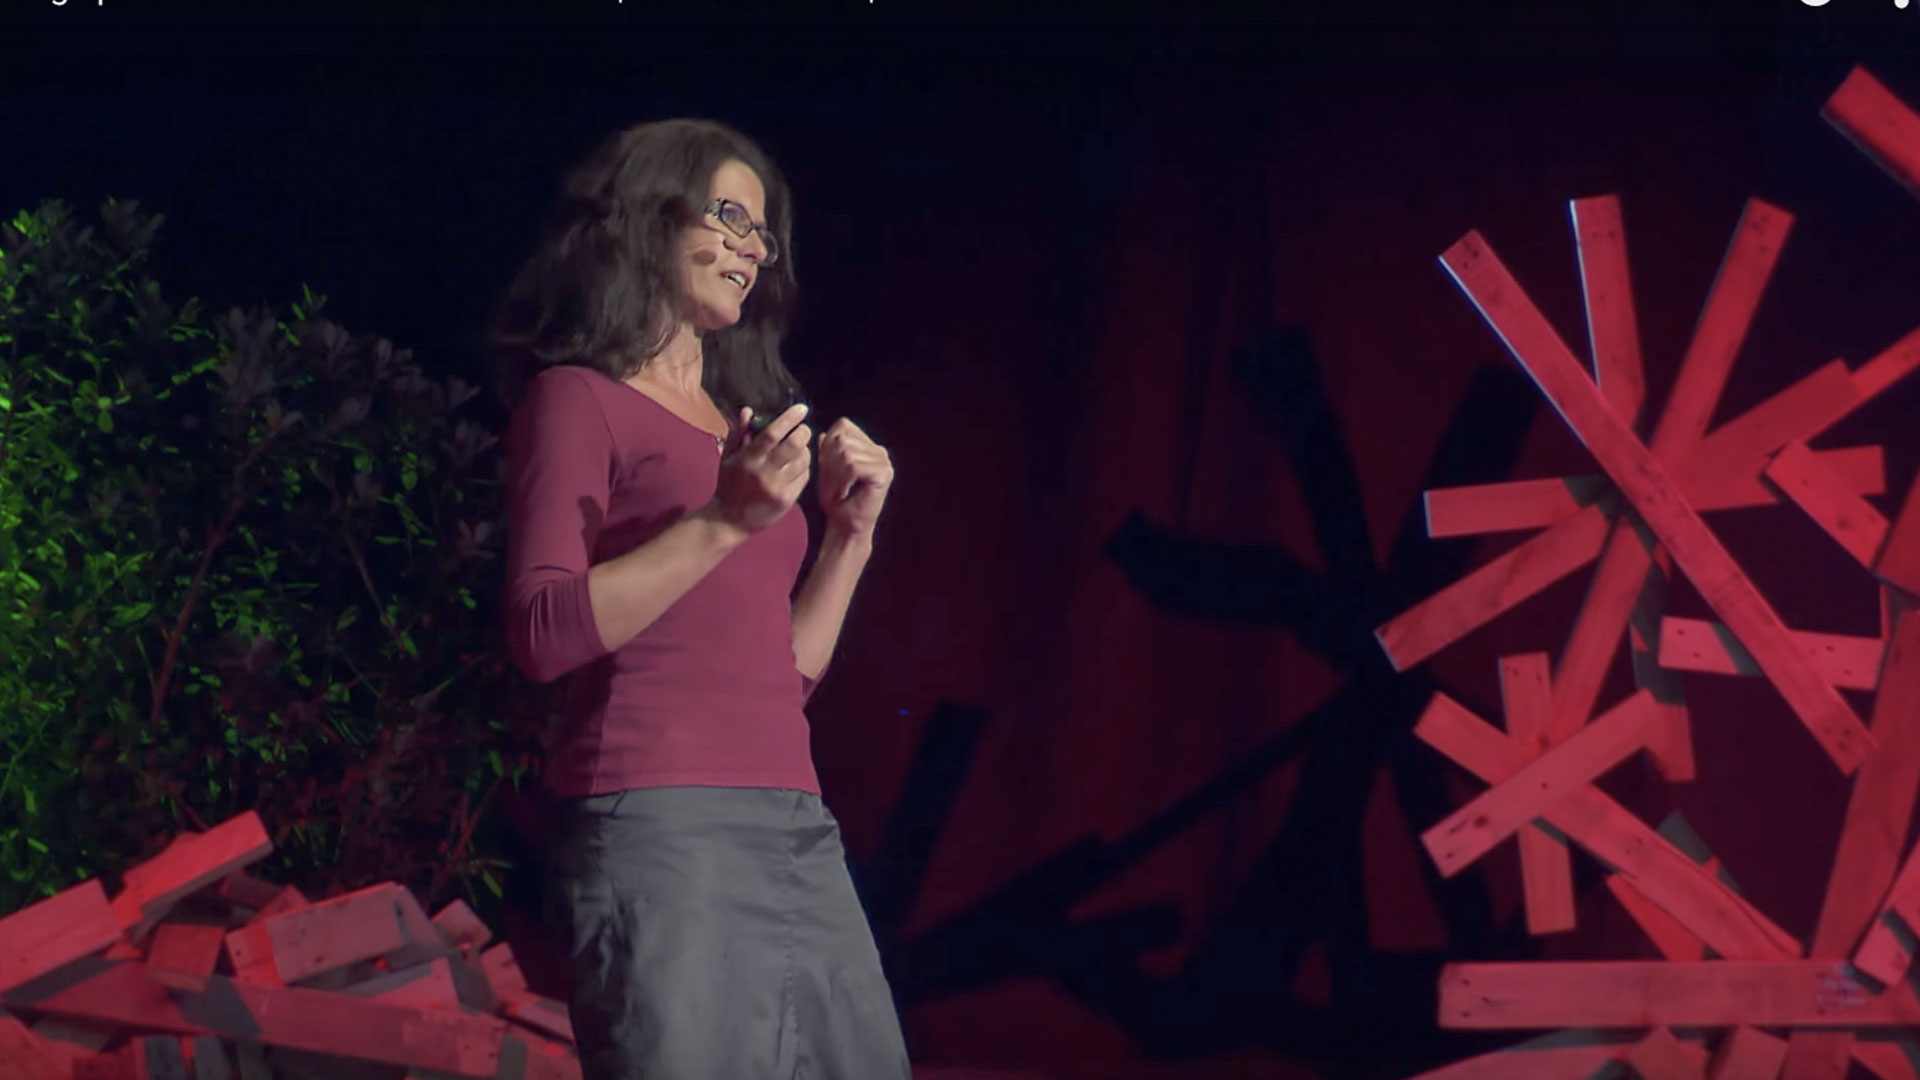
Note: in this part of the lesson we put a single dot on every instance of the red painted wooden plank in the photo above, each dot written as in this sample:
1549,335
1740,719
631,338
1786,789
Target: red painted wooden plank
1475,509
1502,810
1741,446
1888,1058
1674,941
287,899
54,932
1546,866
425,986
184,954
1890,366
26,1056
545,1015
1849,519
1692,895
120,992
1717,993
1817,1055
503,973
1882,952
359,925
1899,561
244,890
1748,1054
1660,1056
1844,660
1625,566
1512,505
1724,322
191,863
1613,332
464,928
1627,559
1497,587
1879,123
1646,484
1880,810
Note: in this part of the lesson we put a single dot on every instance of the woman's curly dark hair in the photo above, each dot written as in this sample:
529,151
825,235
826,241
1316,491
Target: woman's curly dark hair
601,288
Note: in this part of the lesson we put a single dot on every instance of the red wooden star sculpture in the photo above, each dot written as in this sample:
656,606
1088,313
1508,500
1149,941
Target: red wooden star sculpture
1730,973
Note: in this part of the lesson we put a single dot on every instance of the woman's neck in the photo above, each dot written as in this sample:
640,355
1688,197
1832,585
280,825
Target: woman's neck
680,365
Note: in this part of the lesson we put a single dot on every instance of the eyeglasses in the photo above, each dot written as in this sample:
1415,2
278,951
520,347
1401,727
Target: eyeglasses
740,223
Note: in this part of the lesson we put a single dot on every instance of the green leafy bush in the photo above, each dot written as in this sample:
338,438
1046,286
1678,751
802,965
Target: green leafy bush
246,562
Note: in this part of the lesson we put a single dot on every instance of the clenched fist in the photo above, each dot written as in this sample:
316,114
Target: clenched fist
855,473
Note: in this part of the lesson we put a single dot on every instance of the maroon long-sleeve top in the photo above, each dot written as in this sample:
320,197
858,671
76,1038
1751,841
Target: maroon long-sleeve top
707,694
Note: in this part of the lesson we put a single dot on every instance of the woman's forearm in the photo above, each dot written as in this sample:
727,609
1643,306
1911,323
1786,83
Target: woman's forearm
629,592
821,608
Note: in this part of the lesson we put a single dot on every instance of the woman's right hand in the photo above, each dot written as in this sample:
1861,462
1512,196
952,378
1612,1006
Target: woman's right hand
762,475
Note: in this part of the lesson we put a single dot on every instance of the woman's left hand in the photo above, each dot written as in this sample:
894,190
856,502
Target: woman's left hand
854,475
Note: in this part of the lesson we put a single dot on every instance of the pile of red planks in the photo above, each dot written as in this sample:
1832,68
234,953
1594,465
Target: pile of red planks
1845,998
198,970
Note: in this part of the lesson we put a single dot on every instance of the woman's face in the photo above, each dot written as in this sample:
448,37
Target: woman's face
718,268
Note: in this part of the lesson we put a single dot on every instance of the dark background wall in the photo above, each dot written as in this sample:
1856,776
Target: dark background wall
1146,304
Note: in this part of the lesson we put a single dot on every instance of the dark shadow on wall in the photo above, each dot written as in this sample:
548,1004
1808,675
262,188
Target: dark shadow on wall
1306,890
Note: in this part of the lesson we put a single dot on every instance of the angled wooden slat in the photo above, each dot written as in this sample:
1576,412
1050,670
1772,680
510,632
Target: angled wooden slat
1625,563
1879,123
1497,587
1880,809
1671,744
184,954
1516,505
1888,1058
1817,1055
120,992
1500,811
355,926
1613,332
1626,560
1674,941
26,1056
1849,519
1899,561
56,931
1691,894
1861,471
424,986
1635,993
1845,660
1889,367
1660,1056
1724,322
1476,509
461,926
1652,492
545,1015
503,973
1883,952
1741,446
1546,866
192,862
1748,1053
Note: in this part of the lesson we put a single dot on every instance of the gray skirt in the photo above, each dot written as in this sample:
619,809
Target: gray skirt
715,935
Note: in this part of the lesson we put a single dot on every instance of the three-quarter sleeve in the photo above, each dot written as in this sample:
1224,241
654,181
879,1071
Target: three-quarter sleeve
559,453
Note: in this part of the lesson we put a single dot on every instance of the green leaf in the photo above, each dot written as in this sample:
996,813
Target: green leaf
133,613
